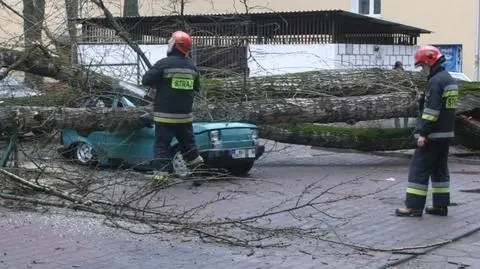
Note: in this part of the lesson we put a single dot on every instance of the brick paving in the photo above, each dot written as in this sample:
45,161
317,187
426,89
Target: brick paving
358,211
464,253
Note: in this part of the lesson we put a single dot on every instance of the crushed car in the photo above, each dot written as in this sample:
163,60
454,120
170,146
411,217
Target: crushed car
231,146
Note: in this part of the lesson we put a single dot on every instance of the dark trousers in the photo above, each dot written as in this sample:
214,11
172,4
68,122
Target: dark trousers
164,133
429,162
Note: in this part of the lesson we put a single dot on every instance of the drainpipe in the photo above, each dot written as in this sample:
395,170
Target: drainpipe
477,47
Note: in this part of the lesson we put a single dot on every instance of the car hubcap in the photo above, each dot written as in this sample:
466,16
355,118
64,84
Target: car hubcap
84,153
179,165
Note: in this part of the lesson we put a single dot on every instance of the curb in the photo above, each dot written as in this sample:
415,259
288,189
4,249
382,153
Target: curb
453,158
461,157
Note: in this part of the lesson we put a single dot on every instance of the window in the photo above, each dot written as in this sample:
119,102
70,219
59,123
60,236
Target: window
377,6
367,7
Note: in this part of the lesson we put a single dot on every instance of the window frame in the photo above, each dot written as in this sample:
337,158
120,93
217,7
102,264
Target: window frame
371,7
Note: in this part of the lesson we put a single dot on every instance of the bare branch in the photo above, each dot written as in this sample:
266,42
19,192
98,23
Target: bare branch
122,33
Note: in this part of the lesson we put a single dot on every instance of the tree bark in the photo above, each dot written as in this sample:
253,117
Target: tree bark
372,139
376,142
33,13
71,7
467,132
315,110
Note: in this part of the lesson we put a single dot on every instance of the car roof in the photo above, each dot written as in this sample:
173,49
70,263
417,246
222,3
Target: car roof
460,76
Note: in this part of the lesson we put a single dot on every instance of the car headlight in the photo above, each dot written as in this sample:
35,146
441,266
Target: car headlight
254,135
215,136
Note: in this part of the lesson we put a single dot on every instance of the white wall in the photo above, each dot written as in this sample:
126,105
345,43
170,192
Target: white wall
280,59
368,56
263,59
119,60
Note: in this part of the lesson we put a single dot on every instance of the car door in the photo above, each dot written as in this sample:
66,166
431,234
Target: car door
119,142
140,142
98,139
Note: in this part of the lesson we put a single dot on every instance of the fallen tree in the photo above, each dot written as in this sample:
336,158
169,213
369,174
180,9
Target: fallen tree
277,121
364,138
326,96
323,110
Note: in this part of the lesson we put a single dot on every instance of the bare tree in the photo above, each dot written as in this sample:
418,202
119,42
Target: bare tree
71,7
178,6
33,13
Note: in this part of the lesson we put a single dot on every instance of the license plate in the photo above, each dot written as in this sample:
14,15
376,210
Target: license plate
243,153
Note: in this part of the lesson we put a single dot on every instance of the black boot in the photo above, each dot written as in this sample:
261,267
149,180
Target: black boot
437,210
408,212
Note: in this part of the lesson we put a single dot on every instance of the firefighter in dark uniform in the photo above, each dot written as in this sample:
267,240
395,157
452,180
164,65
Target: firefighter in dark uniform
435,129
172,82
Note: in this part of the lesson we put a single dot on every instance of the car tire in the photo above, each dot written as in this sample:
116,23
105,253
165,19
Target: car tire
240,168
84,154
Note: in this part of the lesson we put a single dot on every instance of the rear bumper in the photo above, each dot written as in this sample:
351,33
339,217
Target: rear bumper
227,154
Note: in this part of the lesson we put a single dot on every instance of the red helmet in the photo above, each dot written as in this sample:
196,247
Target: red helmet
429,55
181,41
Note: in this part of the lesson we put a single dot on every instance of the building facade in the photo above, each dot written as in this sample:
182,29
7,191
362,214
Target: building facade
452,22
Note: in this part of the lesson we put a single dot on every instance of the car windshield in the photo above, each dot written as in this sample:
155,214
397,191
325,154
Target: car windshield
135,89
127,102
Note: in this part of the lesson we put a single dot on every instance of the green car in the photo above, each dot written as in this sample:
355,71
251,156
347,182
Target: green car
232,146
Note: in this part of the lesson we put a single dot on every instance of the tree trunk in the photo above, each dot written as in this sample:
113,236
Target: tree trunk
364,139
467,132
71,7
36,61
369,139
33,13
315,110
324,110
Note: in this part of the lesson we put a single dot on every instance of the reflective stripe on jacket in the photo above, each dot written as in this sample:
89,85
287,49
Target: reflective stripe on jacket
175,79
437,117
162,117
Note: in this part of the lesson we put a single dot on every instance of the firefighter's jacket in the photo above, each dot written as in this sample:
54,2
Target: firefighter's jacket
175,79
437,110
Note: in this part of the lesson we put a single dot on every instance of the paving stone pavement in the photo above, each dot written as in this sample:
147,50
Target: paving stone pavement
462,254
359,211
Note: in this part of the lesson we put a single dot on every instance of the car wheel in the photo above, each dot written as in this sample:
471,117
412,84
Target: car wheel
241,168
84,154
179,165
